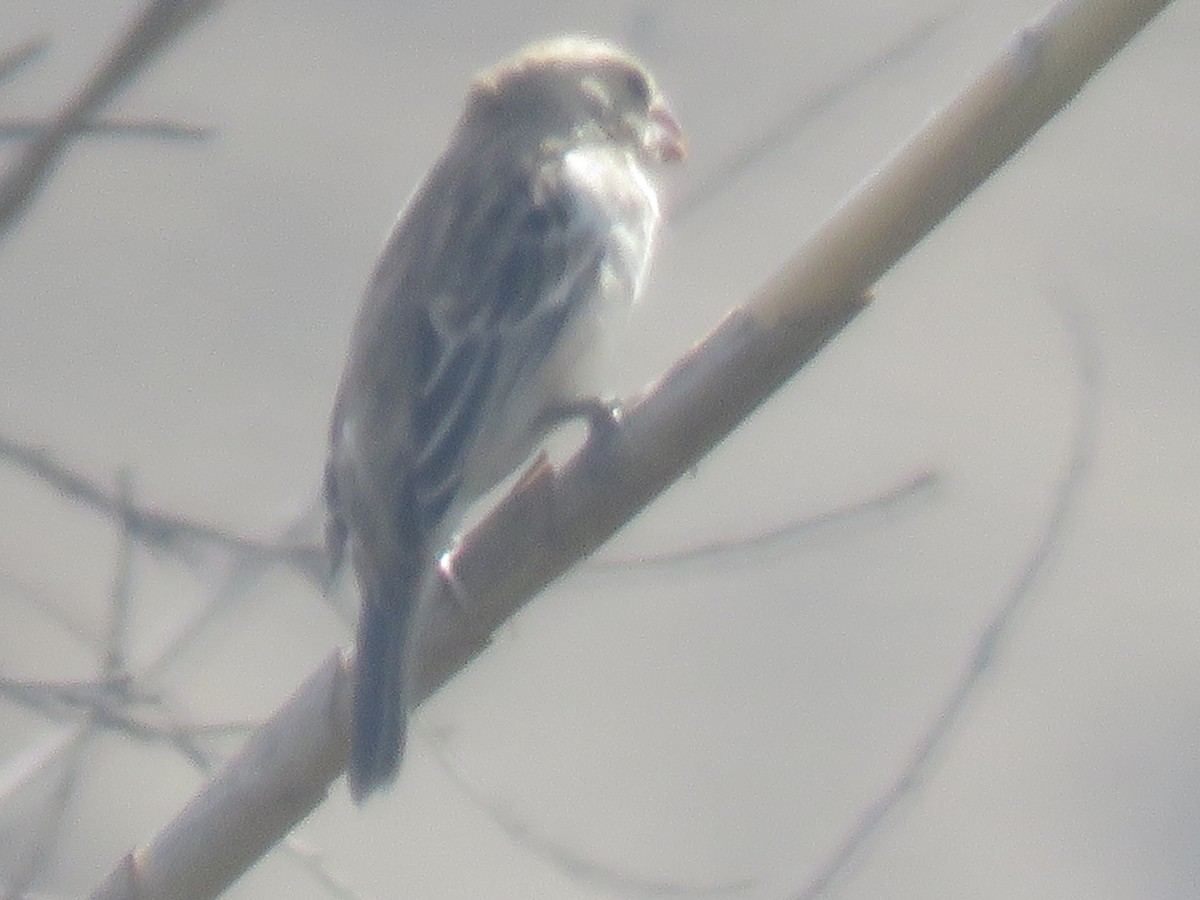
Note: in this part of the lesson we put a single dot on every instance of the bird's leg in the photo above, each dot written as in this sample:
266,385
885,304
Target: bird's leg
459,596
603,415
458,591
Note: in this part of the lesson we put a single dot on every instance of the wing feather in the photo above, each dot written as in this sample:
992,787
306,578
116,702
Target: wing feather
491,337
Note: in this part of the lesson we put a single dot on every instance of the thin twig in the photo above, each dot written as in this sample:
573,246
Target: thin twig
243,573
920,483
872,818
42,834
120,595
12,61
313,862
24,129
789,125
159,22
168,531
597,874
58,612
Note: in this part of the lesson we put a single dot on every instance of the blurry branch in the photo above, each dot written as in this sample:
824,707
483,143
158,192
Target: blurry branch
120,597
99,707
884,808
61,614
167,531
312,861
922,482
252,559
159,22
113,703
185,538
604,875
116,699
12,61
26,129
177,534
107,700
44,830
17,771
793,122
555,517
571,863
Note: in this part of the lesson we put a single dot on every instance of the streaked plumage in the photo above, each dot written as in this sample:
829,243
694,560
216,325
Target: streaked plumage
538,213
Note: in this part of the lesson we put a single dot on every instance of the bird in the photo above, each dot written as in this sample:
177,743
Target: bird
492,290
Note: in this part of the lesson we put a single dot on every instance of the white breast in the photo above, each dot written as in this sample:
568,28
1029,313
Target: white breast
614,187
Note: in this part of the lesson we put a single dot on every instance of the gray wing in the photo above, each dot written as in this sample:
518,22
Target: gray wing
530,269
508,270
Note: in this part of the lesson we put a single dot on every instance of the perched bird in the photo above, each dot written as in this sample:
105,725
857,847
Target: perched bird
538,214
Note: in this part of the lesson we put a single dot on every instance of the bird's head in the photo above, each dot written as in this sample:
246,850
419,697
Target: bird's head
578,90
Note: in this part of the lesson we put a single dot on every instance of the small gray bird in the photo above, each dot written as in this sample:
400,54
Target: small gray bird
537,215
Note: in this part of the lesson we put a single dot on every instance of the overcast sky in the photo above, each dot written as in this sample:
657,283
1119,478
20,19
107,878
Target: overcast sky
1013,424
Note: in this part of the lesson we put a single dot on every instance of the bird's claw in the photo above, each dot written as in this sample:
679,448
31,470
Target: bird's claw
603,415
459,596
458,591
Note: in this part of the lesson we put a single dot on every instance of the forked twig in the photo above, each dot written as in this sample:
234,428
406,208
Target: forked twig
158,23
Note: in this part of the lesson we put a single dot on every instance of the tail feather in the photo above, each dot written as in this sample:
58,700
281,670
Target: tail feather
381,698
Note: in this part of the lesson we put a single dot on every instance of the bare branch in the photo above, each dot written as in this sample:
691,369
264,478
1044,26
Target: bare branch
120,595
313,862
570,861
43,832
19,129
884,807
60,613
794,121
159,22
919,483
12,61
159,529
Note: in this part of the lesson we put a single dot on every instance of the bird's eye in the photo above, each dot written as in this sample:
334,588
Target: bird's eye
638,88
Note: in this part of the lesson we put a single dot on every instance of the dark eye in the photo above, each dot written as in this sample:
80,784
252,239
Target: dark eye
638,88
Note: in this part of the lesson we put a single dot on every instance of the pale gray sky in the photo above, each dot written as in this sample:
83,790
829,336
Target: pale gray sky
718,725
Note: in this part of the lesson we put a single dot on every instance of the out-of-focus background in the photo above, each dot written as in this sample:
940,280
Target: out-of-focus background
939,635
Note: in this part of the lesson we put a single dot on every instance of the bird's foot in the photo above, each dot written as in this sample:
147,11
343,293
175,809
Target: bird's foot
458,591
459,596
603,415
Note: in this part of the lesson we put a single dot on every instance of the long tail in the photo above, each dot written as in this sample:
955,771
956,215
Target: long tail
381,692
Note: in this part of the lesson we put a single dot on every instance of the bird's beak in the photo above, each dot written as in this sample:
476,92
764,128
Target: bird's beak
664,140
